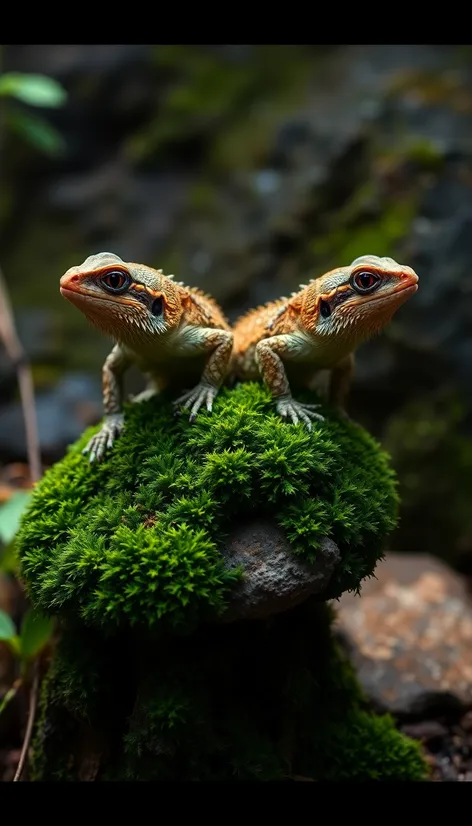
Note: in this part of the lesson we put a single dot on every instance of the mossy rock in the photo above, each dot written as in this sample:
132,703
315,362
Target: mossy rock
261,700
147,682
136,539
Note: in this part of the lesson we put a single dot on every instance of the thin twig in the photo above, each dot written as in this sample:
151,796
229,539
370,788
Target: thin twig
25,380
11,693
29,725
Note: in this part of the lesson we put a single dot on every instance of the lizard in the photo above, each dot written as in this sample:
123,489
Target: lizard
290,340
174,334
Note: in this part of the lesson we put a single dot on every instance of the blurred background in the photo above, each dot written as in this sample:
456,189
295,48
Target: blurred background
247,170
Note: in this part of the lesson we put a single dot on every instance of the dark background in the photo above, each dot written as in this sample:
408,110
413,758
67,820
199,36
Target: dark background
247,170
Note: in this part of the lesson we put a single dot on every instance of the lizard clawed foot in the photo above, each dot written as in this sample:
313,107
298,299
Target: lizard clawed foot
297,411
103,440
194,399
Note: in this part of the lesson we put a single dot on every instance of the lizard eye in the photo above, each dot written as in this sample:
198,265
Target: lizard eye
365,282
116,281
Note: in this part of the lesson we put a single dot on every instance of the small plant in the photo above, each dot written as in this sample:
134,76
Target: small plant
11,512
35,90
35,634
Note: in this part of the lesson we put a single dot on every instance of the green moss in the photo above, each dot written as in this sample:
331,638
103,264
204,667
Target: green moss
425,154
205,89
266,700
130,547
84,703
378,751
135,539
380,234
46,762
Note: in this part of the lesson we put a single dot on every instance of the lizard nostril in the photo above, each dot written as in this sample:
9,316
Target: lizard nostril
68,279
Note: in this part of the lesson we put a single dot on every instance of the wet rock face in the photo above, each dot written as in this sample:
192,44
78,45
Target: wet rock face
410,637
275,579
278,200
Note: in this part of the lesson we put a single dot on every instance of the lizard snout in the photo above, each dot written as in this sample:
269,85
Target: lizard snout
68,281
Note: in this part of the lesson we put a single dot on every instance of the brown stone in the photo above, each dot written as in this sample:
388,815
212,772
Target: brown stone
275,578
409,635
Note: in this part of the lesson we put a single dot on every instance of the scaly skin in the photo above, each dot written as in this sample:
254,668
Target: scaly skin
174,334
317,329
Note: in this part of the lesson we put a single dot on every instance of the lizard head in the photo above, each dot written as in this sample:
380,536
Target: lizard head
356,302
127,301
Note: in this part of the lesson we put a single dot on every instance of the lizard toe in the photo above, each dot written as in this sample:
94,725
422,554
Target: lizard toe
201,395
304,416
293,415
103,440
298,412
209,402
181,399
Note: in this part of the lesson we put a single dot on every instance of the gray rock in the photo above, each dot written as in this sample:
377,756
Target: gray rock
427,731
275,578
409,636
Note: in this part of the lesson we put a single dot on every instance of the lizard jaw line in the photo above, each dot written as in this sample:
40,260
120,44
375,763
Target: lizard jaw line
82,294
407,289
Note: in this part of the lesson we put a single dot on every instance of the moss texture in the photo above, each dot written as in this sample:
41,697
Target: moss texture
146,683
265,700
135,538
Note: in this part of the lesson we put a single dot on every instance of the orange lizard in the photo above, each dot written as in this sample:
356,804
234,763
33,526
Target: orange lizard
318,328
174,334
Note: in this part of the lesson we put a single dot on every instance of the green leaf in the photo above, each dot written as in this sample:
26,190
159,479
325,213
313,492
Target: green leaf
37,131
7,628
36,631
8,633
36,90
11,513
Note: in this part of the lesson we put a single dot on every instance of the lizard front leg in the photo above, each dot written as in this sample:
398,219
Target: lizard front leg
269,354
219,345
340,382
112,374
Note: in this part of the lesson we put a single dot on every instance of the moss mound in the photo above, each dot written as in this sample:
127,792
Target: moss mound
127,552
135,539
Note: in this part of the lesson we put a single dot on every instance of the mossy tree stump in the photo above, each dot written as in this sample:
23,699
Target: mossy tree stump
189,650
